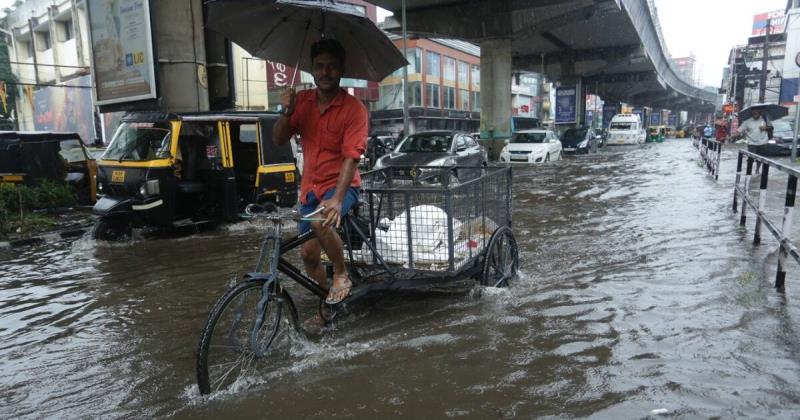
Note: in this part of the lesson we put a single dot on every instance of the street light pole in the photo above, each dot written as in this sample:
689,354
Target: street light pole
405,72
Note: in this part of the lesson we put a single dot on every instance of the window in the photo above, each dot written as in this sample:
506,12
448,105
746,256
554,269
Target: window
432,64
463,99
461,143
431,95
449,69
476,101
42,41
391,97
415,94
471,142
476,75
414,63
25,49
64,30
449,97
463,73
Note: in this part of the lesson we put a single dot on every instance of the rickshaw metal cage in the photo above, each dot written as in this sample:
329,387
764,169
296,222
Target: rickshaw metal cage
435,220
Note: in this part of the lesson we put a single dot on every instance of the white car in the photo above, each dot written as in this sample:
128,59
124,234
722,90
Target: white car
532,146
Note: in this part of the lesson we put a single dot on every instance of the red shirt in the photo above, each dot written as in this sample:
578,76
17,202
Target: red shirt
340,132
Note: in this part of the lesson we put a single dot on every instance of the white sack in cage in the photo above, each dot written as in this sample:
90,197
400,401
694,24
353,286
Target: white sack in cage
428,236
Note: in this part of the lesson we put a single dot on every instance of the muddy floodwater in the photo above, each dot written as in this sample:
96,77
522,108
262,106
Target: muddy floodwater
639,292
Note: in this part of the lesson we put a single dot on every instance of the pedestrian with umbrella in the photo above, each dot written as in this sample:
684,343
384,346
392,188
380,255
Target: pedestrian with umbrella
755,130
331,41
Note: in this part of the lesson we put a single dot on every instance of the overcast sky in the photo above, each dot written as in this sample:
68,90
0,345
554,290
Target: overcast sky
709,28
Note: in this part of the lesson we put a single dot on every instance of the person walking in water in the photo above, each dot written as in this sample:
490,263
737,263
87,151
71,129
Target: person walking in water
756,131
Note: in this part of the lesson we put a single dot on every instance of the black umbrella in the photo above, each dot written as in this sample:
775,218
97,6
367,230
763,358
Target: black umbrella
283,31
771,111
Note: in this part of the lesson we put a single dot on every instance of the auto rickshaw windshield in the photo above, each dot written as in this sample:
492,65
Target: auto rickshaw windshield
140,141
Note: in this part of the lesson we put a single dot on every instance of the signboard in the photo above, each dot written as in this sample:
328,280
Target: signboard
777,23
655,118
609,110
673,120
566,105
640,113
64,108
279,75
122,50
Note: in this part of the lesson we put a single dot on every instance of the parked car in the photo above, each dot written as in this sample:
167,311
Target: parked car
781,142
580,140
436,149
532,146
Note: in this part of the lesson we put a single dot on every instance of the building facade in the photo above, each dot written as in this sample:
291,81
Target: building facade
686,68
50,59
444,90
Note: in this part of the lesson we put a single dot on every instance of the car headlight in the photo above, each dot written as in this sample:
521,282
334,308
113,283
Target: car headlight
99,186
583,144
771,142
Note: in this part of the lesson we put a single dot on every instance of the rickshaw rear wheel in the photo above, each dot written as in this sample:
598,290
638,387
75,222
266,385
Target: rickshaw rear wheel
501,261
111,228
226,349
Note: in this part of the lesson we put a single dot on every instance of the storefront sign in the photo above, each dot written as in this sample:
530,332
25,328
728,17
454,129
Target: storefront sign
122,50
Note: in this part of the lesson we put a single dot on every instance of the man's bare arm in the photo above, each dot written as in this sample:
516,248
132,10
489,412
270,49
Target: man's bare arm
333,206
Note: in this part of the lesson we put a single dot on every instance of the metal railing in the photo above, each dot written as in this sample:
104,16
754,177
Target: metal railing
742,189
711,151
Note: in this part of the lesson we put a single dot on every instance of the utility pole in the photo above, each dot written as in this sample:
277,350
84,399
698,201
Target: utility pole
762,87
405,74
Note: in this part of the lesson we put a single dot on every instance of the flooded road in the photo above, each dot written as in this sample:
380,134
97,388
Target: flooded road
639,291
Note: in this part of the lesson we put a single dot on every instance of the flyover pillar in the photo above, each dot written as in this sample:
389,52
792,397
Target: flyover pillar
495,93
180,44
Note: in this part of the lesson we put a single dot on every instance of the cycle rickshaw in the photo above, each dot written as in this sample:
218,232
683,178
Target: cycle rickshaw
413,229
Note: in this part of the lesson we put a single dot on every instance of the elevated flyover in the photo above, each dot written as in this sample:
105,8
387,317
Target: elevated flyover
610,47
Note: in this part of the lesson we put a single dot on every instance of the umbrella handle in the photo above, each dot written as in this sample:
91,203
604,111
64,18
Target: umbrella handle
302,47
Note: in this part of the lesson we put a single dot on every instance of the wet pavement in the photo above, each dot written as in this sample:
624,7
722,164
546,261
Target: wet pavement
639,291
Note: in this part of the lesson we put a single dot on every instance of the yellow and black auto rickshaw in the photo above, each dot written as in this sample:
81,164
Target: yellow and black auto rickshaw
167,170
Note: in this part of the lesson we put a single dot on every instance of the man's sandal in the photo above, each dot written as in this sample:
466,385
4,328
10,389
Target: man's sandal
334,290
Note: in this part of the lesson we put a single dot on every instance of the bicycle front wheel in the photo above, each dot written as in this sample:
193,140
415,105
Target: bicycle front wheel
244,329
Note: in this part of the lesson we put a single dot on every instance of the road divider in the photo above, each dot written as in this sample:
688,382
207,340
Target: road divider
741,189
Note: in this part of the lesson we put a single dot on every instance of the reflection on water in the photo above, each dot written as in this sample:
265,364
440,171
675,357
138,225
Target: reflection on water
639,292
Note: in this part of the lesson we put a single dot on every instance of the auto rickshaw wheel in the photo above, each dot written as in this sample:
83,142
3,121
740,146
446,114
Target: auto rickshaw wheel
112,228
501,261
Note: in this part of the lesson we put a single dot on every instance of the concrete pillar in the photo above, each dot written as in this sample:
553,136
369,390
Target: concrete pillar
495,93
220,82
180,46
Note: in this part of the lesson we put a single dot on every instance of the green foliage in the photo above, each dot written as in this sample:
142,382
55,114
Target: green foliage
47,195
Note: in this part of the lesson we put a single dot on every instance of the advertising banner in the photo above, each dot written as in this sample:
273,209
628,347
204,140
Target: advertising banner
777,20
655,118
566,105
122,50
640,113
673,120
609,110
64,108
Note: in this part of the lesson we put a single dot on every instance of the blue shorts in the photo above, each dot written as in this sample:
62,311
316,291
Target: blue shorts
312,202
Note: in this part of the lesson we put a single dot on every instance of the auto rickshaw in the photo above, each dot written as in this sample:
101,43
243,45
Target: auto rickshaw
656,134
169,170
28,157
670,132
